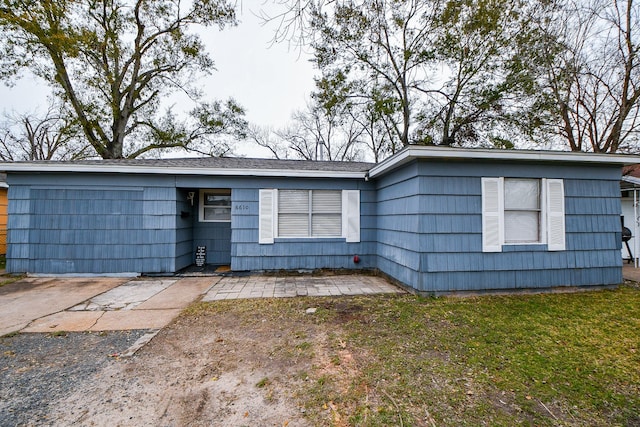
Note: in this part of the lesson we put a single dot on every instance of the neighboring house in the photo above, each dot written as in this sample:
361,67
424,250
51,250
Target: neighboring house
630,199
437,219
3,214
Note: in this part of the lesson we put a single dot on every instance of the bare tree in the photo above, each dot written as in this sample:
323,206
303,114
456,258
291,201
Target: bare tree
314,134
266,138
52,136
588,73
435,72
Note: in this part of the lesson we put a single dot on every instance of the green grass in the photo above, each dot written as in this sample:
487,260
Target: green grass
570,359
6,279
263,382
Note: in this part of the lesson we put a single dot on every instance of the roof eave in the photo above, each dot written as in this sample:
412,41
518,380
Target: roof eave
66,167
631,180
447,153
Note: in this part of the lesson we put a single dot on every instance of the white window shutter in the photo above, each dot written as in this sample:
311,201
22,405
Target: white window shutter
351,215
492,214
555,215
266,220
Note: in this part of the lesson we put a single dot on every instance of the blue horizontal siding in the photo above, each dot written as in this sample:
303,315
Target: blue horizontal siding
596,173
592,205
523,279
184,229
445,213
254,183
216,237
92,228
451,223
421,224
289,262
603,223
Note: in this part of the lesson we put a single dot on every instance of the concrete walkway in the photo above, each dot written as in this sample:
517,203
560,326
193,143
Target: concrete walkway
629,272
23,301
292,286
102,304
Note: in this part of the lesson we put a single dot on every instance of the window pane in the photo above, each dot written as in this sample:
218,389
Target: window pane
522,194
293,225
217,213
521,227
217,199
215,205
327,201
327,225
294,215
293,201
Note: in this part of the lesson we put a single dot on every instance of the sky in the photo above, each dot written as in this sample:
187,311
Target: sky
269,80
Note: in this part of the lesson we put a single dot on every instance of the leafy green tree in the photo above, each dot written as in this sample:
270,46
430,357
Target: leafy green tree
476,53
431,72
382,48
114,62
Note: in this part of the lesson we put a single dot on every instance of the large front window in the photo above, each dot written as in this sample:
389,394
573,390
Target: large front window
309,213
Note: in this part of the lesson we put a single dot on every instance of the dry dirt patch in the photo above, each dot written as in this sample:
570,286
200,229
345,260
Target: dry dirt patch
212,366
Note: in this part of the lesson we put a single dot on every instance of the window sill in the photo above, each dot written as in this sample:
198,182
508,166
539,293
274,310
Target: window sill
309,239
525,247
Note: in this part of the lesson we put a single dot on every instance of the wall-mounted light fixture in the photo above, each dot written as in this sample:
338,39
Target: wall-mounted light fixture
190,196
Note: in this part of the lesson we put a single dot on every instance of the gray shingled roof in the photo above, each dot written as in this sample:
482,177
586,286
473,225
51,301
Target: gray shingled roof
228,163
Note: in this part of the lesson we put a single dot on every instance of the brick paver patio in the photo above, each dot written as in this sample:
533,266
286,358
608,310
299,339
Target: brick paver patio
292,286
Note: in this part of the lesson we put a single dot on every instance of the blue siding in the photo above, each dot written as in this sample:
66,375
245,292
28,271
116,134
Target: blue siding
420,224
430,229
77,231
398,223
298,254
184,229
18,228
216,236
111,224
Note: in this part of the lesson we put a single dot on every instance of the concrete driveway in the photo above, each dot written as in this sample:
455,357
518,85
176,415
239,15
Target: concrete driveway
95,304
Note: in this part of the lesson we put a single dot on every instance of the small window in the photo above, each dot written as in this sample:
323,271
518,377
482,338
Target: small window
522,211
215,205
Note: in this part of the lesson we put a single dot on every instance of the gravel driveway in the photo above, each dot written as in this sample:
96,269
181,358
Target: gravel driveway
38,369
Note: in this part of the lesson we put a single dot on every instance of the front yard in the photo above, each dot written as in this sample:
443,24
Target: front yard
550,359
568,359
